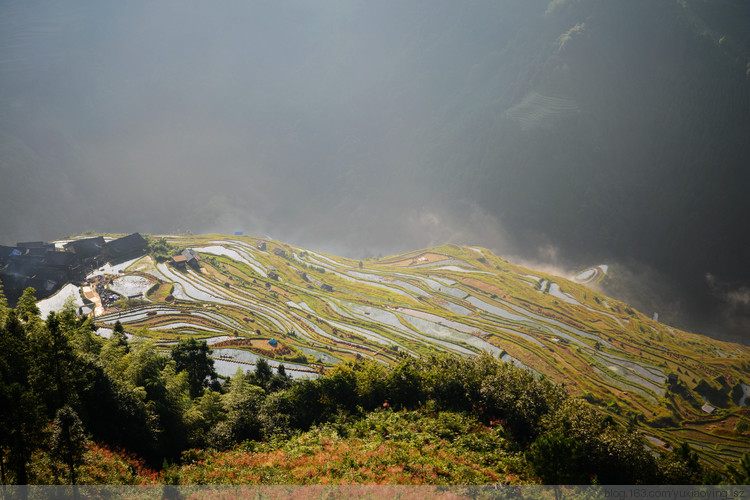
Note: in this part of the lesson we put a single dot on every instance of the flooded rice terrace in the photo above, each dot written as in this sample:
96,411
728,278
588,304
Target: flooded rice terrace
131,286
57,301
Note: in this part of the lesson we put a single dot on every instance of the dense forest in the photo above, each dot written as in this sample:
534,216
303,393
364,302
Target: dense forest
78,408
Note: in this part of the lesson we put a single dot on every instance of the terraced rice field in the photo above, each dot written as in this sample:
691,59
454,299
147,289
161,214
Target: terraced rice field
324,310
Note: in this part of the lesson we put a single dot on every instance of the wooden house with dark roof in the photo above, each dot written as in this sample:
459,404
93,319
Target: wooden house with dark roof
124,248
39,251
5,253
179,261
36,244
191,258
187,258
63,260
51,277
23,264
85,248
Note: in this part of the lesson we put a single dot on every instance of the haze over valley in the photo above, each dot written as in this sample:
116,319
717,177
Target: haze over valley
559,134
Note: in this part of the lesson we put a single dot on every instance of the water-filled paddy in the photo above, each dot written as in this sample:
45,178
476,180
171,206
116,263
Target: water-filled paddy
555,291
138,314
560,324
585,275
228,368
57,301
455,308
234,255
110,269
189,286
630,375
371,314
320,355
443,262
497,311
626,386
745,395
449,290
181,324
650,372
375,337
461,269
302,305
131,285
451,334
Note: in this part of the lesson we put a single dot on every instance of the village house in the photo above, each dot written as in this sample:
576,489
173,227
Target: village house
191,258
124,248
179,261
86,248
187,258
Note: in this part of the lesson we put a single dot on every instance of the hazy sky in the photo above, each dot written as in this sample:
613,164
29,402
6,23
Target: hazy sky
304,120
544,130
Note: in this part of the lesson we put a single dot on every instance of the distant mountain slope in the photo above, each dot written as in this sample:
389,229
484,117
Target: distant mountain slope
256,297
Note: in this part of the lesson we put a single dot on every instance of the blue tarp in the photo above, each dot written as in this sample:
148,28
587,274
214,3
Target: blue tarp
273,342
238,233
15,252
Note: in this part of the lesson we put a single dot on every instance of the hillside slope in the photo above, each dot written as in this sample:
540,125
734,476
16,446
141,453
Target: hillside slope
253,298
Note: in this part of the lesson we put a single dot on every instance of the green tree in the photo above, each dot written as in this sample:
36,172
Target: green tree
740,474
68,441
741,427
54,372
26,307
519,398
280,380
681,466
405,384
171,404
205,414
613,453
193,357
20,414
262,374
339,391
242,404
557,459
161,250
118,335
371,380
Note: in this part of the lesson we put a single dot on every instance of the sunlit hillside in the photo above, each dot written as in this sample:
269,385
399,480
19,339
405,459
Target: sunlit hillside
252,297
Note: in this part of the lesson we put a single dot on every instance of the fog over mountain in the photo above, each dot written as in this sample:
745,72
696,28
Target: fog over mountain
567,133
